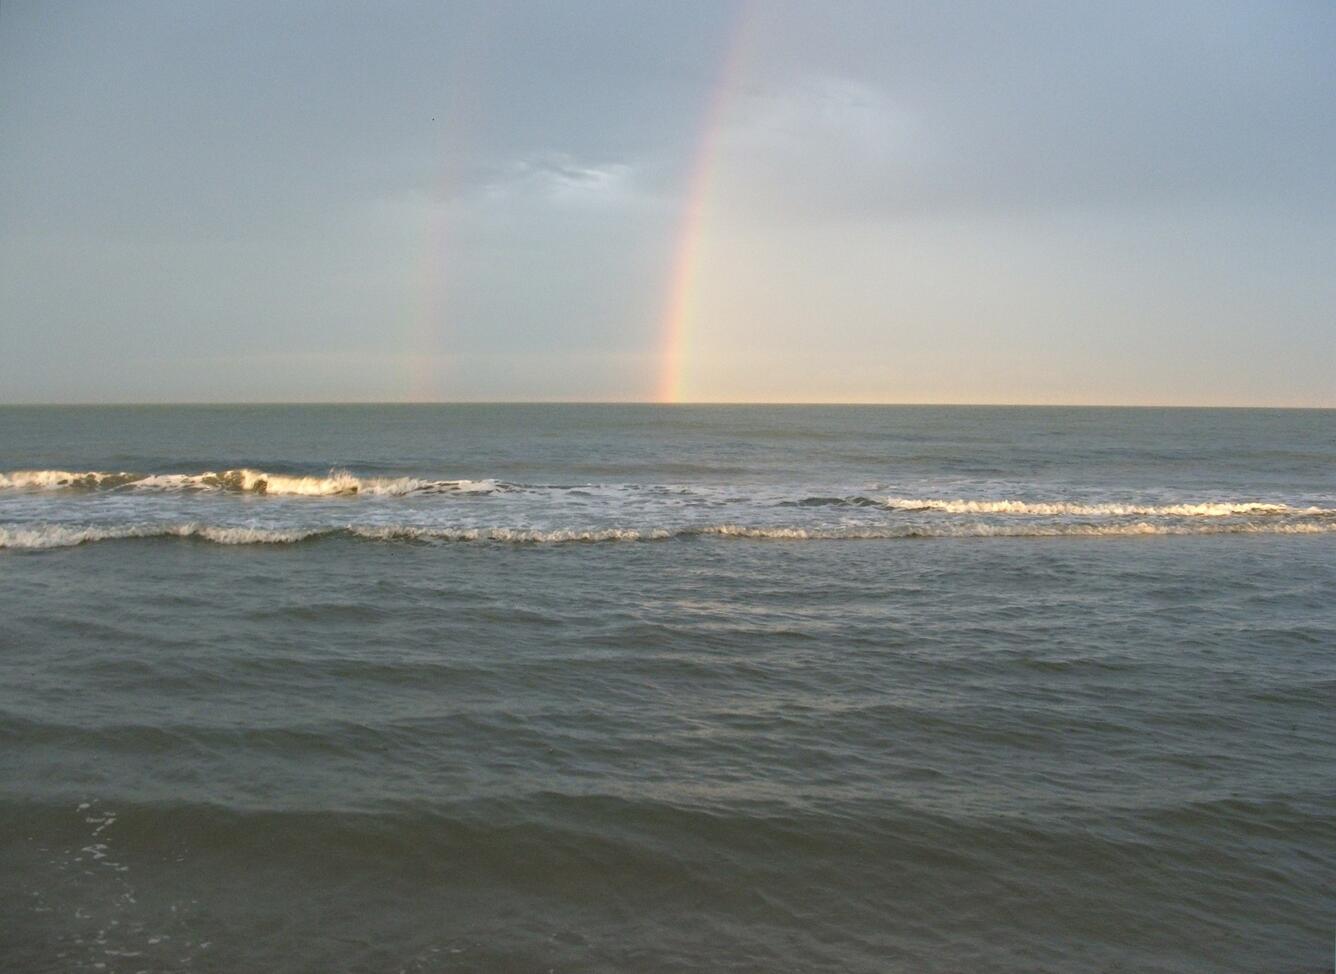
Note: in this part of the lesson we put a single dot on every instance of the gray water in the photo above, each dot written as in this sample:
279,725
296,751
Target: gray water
602,688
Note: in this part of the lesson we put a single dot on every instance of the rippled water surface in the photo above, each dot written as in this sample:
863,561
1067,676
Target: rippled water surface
596,688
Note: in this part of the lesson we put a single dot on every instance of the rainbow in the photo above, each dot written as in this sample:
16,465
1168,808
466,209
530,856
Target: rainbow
459,116
679,306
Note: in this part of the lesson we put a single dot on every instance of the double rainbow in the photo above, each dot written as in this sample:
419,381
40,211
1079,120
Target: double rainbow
680,298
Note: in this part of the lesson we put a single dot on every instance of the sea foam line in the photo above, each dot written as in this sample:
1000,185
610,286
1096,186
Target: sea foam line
337,482
343,483
37,537
65,536
1066,508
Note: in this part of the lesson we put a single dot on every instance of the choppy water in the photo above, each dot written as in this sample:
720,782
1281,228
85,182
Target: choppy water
509,688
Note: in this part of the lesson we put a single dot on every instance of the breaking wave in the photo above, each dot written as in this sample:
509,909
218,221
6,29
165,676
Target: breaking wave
338,483
1064,508
244,480
66,536
63,536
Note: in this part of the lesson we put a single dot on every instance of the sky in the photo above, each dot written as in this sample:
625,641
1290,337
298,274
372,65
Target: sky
1085,203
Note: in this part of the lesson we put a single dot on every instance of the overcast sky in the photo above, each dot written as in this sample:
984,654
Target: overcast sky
897,202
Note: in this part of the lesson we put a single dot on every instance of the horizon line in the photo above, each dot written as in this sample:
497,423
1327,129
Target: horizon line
214,403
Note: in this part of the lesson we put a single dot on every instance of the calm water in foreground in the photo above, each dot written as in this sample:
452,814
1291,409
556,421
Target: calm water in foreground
596,688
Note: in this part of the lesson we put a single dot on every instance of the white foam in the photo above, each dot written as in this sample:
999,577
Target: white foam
61,479
67,536
512,535
243,535
341,483
61,536
335,483
1065,508
979,530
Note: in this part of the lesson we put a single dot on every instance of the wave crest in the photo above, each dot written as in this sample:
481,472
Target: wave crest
1066,508
242,480
66,536
45,536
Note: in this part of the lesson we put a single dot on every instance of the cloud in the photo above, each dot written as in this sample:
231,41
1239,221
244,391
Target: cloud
823,147
561,180
508,180
865,112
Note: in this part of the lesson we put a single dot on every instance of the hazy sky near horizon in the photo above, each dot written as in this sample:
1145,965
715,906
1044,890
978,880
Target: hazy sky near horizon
765,201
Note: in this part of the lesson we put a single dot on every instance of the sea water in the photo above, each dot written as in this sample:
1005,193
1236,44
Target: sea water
667,688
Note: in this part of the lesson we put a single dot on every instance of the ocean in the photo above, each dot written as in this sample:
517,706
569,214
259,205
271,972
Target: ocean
509,688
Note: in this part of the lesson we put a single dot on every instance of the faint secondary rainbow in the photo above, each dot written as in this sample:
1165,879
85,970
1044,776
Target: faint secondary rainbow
428,361
679,307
